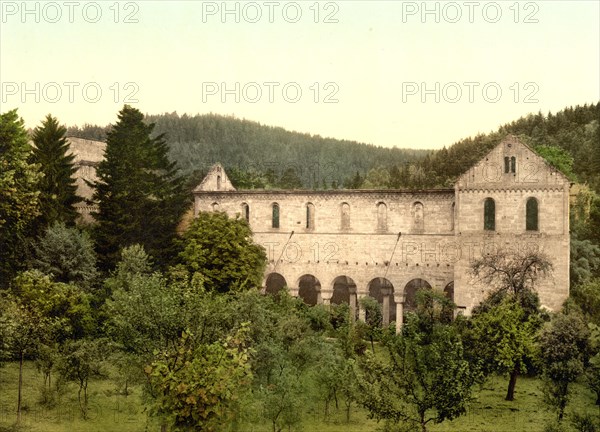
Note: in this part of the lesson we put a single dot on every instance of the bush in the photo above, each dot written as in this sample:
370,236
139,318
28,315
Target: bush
584,423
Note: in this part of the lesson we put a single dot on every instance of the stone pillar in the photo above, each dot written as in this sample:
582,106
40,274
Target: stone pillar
352,302
399,312
294,291
318,290
385,307
326,296
362,313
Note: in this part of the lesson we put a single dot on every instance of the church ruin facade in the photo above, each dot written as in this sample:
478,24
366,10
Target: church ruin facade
333,246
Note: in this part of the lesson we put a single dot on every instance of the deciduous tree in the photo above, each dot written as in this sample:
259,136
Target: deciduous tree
426,379
564,348
222,250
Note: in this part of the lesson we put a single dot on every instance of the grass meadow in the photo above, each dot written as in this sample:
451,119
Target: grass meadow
111,411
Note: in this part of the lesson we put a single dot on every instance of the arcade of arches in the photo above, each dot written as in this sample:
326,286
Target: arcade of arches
394,301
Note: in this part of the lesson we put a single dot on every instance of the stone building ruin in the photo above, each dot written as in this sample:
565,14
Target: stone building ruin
334,246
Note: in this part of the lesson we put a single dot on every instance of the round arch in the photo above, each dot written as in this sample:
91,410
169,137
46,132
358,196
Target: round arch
378,289
274,283
309,289
410,293
449,291
342,285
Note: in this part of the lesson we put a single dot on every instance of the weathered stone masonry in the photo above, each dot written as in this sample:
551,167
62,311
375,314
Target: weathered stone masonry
340,245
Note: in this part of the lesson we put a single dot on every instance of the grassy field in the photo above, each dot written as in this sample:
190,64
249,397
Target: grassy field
110,411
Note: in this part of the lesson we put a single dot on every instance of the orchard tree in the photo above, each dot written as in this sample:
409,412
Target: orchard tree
196,387
503,338
19,204
24,329
81,361
57,186
512,272
140,197
426,378
511,276
564,349
222,250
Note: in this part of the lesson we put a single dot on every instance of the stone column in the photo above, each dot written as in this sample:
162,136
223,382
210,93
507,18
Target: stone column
326,296
362,313
385,309
294,291
318,290
399,312
352,302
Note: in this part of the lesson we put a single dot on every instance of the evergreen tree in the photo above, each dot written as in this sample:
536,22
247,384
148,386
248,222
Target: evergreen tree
57,187
18,196
141,199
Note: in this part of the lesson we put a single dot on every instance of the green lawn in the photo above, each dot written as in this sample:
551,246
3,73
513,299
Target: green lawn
112,412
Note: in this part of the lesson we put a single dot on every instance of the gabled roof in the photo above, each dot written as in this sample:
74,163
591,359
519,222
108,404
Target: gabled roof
512,140
215,180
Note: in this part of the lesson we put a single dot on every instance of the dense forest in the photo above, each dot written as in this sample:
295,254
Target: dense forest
281,157
264,156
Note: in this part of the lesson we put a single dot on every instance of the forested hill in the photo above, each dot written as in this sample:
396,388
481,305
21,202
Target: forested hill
575,130
263,155
259,156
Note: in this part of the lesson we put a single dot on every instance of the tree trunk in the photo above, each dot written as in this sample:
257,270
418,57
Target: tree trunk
163,427
423,422
20,388
510,394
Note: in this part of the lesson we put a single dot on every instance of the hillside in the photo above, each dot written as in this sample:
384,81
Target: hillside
259,156
574,129
272,156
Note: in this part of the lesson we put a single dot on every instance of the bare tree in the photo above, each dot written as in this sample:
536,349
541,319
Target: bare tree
510,272
512,277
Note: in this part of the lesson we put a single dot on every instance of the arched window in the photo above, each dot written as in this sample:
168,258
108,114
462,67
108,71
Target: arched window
246,212
381,217
531,215
215,206
310,216
489,214
218,182
452,216
275,218
513,164
345,216
506,164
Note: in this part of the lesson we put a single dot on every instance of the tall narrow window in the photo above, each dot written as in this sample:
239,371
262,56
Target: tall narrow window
506,164
310,216
531,215
246,212
345,216
218,182
452,216
513,164
275,218
489,214
418,218
381,217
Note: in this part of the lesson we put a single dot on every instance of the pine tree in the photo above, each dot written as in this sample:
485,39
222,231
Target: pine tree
57,187
18,196
141,199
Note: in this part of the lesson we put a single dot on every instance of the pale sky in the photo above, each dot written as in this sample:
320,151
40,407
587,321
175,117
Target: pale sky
389,73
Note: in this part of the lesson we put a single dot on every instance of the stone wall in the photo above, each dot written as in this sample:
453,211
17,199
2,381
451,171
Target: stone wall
380,241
